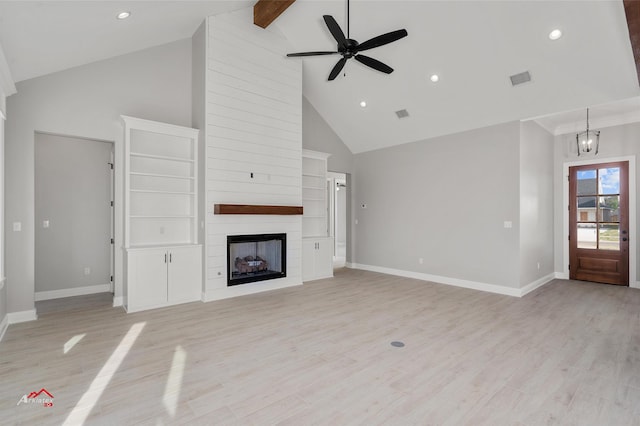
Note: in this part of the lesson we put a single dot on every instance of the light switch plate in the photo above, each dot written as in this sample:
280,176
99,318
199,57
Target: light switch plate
508,224
17,226
45,223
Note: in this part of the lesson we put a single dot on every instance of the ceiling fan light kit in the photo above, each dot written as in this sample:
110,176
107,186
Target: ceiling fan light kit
350,48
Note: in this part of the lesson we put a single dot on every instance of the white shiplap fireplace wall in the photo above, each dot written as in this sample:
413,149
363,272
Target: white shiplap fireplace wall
248,102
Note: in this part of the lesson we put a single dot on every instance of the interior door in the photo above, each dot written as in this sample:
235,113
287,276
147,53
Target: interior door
599,223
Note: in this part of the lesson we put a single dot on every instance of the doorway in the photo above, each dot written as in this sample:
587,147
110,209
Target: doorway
73,218
338,202
599,222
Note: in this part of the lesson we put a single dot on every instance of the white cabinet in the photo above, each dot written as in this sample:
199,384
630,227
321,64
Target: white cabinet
317,258
163,276
317,246
163,257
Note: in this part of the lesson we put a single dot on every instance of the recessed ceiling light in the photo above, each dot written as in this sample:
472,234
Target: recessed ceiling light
555,34
363,104
123,15
434,78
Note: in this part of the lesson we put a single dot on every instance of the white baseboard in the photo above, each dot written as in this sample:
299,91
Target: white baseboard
474,285
70,292
4,324
634,284
22,316
118,301
537,283
561,276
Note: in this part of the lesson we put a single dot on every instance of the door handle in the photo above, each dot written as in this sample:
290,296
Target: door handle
624,239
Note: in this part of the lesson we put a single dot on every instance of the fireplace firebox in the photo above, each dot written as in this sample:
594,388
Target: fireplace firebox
252,258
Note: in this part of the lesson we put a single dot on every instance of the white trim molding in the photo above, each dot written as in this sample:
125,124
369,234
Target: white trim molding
456,282
246,289
4,324
537,284
118,301
70,292
22,316
474,285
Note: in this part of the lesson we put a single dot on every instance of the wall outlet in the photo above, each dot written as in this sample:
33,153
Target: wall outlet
538,265
421,261
17,226
162,230
87,271
45,223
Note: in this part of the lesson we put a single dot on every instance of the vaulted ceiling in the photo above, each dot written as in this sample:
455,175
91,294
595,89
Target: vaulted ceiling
474,46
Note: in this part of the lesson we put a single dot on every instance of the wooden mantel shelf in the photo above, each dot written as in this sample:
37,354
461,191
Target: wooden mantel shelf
256,209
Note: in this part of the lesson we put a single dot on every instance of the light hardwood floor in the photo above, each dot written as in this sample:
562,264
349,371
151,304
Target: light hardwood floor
568,353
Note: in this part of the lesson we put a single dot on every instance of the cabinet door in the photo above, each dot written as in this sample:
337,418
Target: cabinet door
324,258
185,274
308,259
146,278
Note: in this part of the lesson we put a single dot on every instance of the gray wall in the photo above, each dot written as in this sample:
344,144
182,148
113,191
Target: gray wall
536,203
617,141
317,135
85,102
72,192
444,200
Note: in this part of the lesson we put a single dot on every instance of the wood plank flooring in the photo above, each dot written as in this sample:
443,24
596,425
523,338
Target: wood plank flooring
566,354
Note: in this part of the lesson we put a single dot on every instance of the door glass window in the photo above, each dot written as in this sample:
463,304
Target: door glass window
598,213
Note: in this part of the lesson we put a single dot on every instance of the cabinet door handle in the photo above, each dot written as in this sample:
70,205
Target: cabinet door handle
170,257
165,258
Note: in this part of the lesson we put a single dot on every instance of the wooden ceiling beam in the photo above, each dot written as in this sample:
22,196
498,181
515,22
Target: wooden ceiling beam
266,11
632,10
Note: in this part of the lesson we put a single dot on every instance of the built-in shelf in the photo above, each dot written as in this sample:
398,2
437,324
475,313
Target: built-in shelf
256,209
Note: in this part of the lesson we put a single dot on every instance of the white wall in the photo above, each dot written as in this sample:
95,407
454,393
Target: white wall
85,102
615,142
253,118
536,203
444,200
72,193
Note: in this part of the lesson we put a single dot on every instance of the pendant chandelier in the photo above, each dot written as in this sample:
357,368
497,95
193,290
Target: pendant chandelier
588,141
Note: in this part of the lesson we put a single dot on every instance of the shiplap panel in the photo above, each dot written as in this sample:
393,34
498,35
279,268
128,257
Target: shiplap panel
256,108
252,87
247,116
245,125
283,106
265,149
218,134
230,165
254,125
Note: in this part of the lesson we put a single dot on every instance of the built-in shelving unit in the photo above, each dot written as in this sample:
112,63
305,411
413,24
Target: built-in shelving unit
161,185
317,252
161,215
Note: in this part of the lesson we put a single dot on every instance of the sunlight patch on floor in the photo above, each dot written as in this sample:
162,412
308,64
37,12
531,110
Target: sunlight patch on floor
89,399
72,342
174,381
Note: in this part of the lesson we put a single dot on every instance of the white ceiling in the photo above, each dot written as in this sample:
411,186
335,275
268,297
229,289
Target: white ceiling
474,46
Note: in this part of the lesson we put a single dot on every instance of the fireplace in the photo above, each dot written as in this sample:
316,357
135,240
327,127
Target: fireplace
252,258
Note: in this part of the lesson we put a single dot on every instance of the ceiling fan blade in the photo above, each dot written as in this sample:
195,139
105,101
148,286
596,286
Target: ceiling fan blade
337,68
335,30
293,55
374,63
383,39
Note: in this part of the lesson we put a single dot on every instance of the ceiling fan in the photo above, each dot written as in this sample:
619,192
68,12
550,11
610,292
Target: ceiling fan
350,48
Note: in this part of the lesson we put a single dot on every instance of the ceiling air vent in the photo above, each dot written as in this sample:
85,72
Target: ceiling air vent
523,77
403,113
